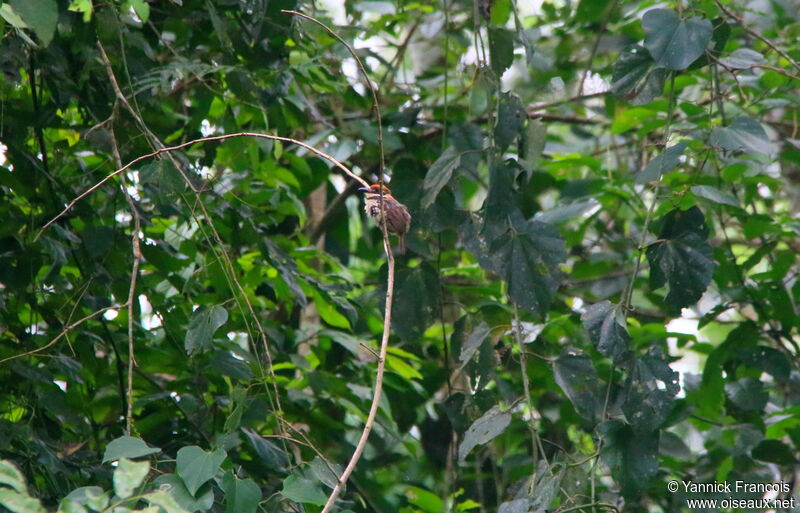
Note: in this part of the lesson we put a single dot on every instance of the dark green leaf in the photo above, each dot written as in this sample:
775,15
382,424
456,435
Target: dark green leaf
328,475
649,393
636,78
774,451
526,254
439,175
301,488
768,359
592,11
202,326
177,489
241,495
196,466
576,375
747,394
711,193
273,456
631,455
127,447
473,342
41,16
663,163
486,428
743,58
682,258
501,49
416,303
606,325
675,43
510,120
743,133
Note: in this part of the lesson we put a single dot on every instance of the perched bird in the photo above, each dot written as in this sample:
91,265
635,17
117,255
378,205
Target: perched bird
398,220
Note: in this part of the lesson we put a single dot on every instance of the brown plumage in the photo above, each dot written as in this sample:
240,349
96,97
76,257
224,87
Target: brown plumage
398,220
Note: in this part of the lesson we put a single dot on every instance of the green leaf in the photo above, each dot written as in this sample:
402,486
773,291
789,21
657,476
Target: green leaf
473,342
743,133
747,394
649,393
711,193
142,9
301,488
535,141
526,254
41,16
501,49
328,475
769,360
416,302
17,502
576,375
486,428
423,499
674,43
241,495
743,58
682,258
439,175
631,455
91,496
402,368
175,486
8,14
127,447
196,466
606,325
204,322
166,501
510,120
272,455
128,476
774,451
11,476
592,11
663,163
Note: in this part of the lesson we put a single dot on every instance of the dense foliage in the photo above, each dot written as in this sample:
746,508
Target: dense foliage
604,193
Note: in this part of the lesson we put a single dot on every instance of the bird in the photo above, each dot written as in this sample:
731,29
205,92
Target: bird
398,220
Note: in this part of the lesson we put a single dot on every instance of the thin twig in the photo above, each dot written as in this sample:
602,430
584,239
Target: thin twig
137,258
189,143
738,19
376,395
367,80
63,333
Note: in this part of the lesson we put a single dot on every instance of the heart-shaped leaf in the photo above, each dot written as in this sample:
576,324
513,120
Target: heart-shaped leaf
675,43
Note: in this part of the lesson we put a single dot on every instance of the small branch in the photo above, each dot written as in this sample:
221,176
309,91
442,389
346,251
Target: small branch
367,80
189,143
137,258
376,395
738,19
63,333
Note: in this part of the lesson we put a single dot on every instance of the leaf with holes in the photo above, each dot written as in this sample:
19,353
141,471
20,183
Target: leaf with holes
577,376
682,258
607,328
483,430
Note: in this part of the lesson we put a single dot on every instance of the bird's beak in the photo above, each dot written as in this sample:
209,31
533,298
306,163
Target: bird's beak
364,189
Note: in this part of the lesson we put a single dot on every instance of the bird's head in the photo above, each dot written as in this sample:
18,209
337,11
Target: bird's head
376,189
